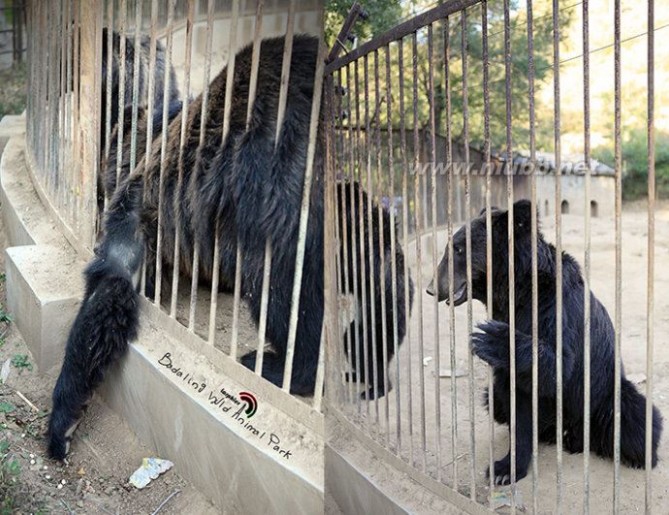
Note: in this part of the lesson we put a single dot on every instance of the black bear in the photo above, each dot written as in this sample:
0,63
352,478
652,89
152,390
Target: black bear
391,304
120,94
245,189
491,344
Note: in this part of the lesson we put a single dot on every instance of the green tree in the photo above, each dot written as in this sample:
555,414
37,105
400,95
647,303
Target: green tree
635,163
387,13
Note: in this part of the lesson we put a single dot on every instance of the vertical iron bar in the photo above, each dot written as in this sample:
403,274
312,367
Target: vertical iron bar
353,340
586,286
343,215
267,266
618,258
178,214
135,86
650,302
163,149
304,215
370,249
488,219
451,270
393,247
380,248
419,243
121,89
150,106
405,240
433,164
198,163
535,273
511,246
468,246
232,47
558,248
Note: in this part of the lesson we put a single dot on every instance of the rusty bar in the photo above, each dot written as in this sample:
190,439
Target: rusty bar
180,166
330,240
63,143
511,257
163,150
353,340
150,106
419,243
224,135
405,240
535,274
135,87
393,247
109,64
91,79
587,264
404,29
381,246
468,245
488,218
198,163
618,257
304,217
650,301
342,216
337,138
350,20
451,271
267,267
435,303
370,248
255,59
558,250
123,18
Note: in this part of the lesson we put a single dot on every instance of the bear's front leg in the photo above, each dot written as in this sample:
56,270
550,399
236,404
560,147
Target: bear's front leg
502,472
492,346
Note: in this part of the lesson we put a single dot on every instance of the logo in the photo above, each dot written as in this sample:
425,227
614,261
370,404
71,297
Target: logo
251,403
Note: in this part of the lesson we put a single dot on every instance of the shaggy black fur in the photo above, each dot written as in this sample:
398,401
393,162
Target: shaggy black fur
367,331
131,55
244,187
492,346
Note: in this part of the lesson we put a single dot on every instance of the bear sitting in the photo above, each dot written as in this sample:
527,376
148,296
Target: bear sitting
491,344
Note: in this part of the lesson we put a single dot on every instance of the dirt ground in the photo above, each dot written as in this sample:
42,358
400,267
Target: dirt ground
435,443
96,478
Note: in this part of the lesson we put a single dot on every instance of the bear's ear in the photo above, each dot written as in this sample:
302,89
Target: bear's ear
522,215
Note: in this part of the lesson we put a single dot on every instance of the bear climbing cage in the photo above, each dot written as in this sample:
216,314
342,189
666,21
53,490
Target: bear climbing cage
81,85
431,119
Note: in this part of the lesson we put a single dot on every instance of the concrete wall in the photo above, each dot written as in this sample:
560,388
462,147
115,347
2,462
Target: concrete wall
602,194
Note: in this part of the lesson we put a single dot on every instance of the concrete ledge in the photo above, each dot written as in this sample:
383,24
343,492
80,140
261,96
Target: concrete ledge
43,299
191,413
363,477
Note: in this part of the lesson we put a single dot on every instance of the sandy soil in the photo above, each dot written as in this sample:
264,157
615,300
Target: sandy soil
107,452
459,422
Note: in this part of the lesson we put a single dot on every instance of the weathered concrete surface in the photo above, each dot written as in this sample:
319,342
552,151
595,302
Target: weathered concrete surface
359,480
43,300
43,272
238,461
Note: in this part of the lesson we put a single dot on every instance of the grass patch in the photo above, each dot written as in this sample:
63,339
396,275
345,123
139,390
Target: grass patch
10,469
22,361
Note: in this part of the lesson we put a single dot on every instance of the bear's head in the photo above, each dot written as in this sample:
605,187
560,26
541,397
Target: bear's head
522,221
